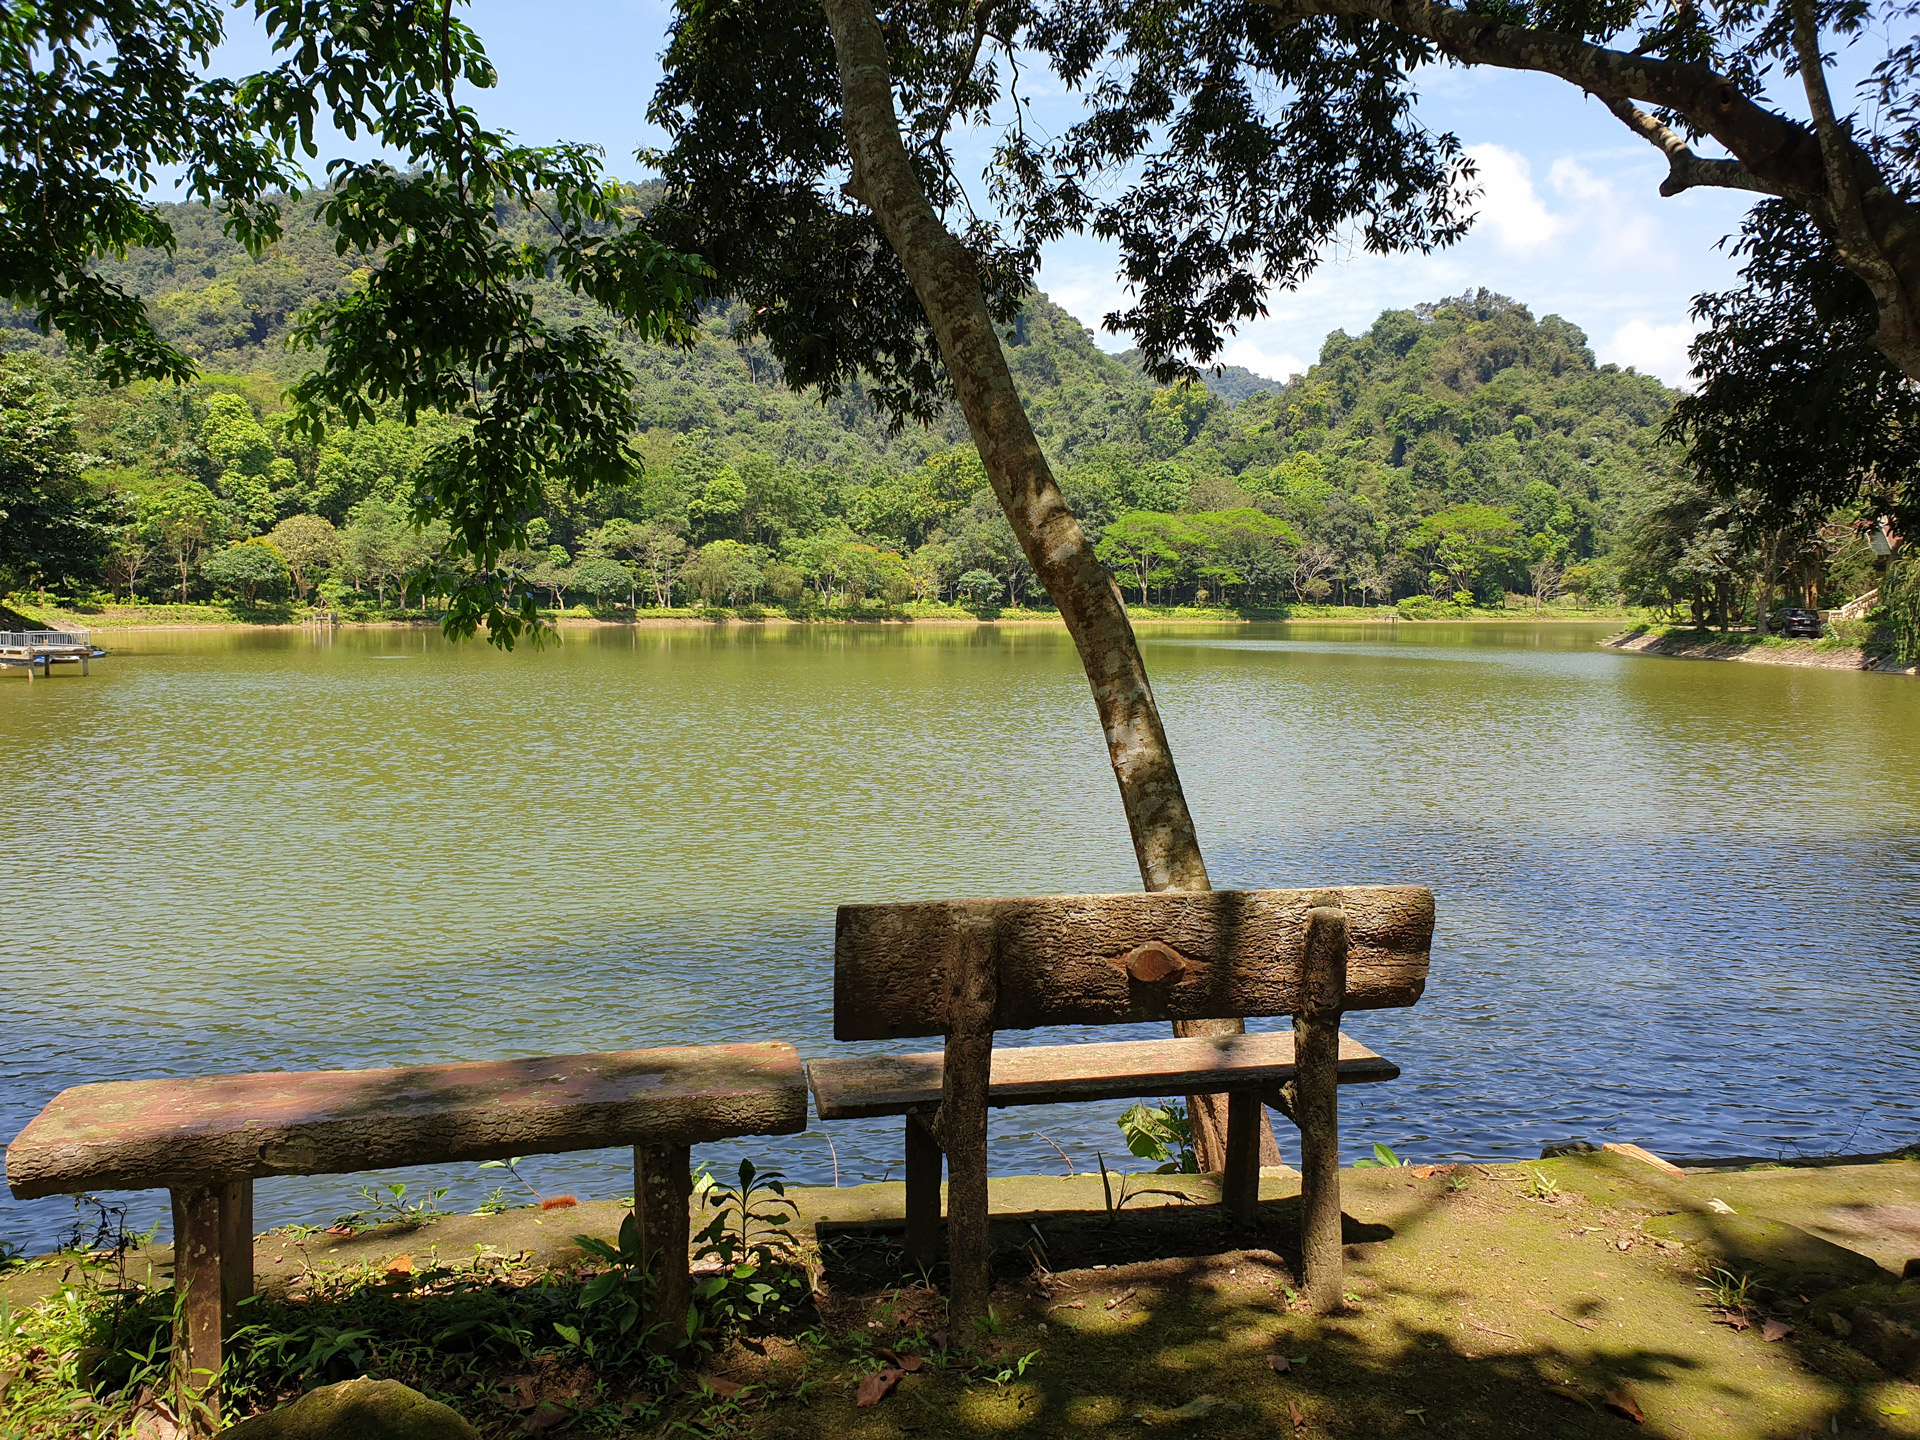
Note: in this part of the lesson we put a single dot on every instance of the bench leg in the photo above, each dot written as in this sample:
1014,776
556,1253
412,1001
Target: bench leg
1240,1185
1316,1111
963,1134
925,1160
197,1304
1316,1105
236,1251
662,1186
973,987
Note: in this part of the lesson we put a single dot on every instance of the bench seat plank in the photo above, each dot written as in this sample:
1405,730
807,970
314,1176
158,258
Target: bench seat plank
142,1134
861,1086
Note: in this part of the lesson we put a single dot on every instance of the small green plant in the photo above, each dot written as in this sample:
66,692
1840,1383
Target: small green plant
393,1208
749,1235
1726,1289
496,1200
1163,1134
1116,1205
1007,1374
1383,1159
1541,1187
12,1256
625,1285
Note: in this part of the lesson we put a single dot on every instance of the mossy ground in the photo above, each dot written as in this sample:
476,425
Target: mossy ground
1483,1301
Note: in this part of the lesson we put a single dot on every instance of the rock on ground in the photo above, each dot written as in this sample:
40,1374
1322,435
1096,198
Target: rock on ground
360,1409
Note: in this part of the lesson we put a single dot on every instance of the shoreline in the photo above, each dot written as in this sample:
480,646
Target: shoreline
113,626
1693,645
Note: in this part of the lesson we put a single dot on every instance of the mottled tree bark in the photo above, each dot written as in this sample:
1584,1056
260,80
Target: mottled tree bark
949,290
1823,169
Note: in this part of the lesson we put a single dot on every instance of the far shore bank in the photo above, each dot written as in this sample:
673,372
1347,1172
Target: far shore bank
1756,650
133,620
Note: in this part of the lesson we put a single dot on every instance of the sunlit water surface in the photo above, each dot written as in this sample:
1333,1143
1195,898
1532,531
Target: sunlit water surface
1679,902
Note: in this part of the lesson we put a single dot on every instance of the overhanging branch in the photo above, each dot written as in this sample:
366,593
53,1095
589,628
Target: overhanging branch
1685,170
1775,150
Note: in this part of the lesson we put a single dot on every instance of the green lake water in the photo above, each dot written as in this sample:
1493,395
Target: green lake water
1679,902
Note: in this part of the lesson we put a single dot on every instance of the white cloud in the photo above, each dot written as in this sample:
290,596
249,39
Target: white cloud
1508,206
1651,349
1269,364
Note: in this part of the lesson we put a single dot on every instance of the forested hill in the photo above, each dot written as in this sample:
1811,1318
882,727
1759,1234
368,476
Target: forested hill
1466,416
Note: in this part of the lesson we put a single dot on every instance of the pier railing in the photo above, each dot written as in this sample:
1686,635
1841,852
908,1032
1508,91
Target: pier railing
45,639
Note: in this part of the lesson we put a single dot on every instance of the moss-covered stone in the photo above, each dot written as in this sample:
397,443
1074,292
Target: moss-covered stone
360,1409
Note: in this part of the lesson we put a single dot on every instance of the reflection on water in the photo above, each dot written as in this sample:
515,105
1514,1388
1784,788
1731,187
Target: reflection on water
1679,902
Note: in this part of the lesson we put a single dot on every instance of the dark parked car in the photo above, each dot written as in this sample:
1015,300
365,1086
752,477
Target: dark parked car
1801,622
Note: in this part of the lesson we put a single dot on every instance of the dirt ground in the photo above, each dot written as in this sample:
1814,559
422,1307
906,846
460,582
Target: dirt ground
1588,1295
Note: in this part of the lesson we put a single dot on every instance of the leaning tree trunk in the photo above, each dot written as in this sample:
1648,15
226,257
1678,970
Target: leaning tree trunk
944,278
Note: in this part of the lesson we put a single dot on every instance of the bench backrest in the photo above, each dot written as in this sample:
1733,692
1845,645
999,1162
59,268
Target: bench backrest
1111,959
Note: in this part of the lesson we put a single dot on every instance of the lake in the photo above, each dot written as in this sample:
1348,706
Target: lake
1679,902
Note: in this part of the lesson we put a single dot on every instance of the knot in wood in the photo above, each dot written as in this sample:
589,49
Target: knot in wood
1153,962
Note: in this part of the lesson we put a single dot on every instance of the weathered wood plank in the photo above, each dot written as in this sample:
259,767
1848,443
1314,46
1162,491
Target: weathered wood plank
1109,959
184,1133
859,1086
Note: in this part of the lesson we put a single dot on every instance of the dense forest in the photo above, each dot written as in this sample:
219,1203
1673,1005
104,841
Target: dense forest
1459,452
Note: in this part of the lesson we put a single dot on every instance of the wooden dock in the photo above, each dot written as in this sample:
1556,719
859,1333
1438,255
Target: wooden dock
44,649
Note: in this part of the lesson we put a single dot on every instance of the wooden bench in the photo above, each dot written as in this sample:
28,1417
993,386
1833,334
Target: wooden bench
965,969
208,1139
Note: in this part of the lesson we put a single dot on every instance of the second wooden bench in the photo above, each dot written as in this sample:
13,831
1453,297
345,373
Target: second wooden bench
965,969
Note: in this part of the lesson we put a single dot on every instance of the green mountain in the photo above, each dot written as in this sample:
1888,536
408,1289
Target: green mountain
1454,447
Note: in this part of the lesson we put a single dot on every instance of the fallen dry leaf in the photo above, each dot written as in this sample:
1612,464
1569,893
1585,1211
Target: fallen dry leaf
1067,1305
1775,1330
1279,1364
1733,1318
1299,1419
1621,1403
912,1364
400,1265
725,1389
878,1386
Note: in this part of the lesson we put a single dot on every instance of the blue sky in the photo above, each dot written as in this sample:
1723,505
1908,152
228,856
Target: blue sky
1570,219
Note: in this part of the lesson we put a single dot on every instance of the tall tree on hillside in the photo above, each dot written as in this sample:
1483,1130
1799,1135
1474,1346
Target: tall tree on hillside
53,529
99,97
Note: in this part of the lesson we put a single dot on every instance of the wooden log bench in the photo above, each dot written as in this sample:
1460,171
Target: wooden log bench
207,1139
966,969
